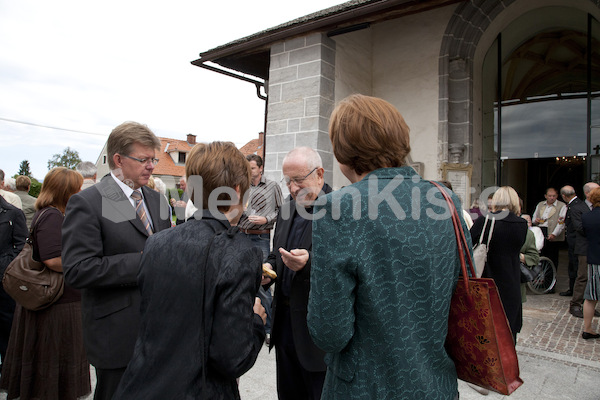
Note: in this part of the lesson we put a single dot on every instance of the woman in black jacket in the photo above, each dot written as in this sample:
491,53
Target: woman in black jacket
591,228
202,326
508,236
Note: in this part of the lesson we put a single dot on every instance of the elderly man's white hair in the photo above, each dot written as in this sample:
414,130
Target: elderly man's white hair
588,187
160,186
311,156
87,169
11,184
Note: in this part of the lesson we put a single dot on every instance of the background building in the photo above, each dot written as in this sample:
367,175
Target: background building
495,92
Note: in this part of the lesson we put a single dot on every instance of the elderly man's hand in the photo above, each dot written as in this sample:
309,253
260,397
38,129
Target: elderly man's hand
294,259
260,310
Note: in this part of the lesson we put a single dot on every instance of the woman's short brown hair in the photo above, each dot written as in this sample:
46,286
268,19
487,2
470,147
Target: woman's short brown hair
59,185
123,136
595,197
220,165
368,133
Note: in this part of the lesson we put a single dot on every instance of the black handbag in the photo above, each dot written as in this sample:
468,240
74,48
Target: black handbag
529,274
30,283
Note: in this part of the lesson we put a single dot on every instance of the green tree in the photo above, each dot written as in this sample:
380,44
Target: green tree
35,188
69,158
24,168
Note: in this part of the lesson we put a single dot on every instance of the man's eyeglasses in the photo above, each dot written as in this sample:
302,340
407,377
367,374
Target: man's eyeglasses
298,181
152,161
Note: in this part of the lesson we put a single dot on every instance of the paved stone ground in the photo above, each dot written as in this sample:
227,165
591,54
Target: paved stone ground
555,362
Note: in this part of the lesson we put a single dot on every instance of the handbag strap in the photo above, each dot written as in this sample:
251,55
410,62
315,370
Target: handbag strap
483,230
461,240
489,234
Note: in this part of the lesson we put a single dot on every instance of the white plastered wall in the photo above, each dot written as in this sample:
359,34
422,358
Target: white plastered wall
397,60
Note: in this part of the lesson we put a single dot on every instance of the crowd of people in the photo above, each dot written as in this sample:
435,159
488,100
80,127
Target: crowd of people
353,295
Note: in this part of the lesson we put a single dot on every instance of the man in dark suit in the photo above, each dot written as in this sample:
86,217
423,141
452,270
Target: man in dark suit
580,251
13,232
300,365
104,232
568,194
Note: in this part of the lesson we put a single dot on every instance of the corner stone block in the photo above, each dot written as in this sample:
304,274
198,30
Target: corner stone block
277,48
301,89
280,60
304,55
286,110
281,75
295,43
277,127
308,139
293,125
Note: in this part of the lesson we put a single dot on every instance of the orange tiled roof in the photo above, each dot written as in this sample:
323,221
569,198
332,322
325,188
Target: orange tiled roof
165,165
255,146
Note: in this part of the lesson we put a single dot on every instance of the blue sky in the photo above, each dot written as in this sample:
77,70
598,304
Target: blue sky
88,66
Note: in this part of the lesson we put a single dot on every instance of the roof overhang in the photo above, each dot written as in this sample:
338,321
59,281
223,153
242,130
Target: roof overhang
251,54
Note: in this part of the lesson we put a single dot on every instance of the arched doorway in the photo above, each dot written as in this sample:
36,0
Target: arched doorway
541,102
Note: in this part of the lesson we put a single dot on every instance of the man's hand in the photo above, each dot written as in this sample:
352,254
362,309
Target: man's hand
260,310
265,279
551,237
257,219
294,259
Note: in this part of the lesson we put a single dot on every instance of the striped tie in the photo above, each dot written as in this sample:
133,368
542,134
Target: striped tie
141,212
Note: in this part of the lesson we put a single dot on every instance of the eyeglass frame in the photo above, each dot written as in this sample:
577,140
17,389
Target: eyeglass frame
298,181
152,161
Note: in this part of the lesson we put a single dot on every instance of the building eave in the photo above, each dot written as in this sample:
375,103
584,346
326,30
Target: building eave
250,55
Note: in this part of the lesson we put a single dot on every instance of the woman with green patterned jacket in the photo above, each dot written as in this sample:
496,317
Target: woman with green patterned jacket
385,265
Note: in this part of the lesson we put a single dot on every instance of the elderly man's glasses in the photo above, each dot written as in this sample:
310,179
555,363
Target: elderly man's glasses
152,161
298,181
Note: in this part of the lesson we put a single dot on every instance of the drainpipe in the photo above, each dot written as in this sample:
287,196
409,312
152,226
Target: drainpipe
256,83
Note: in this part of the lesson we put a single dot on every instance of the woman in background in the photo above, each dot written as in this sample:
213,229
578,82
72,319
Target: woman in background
45,357
503,264
591,228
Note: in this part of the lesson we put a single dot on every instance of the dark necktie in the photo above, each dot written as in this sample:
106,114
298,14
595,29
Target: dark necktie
141,212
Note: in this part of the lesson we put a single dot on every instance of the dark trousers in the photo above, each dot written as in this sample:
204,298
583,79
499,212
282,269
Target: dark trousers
573,264
107,381
580,282
550,249
293,381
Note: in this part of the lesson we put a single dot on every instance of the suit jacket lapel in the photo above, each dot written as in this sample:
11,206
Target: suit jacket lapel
153,208
116,206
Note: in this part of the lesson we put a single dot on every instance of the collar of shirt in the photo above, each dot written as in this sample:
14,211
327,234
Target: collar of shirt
262,181
572,199
126,189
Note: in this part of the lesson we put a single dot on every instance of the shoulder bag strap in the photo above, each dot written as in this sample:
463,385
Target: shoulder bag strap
490,233
483,229
461,241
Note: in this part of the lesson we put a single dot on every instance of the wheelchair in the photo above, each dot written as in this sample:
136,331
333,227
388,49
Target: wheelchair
545,277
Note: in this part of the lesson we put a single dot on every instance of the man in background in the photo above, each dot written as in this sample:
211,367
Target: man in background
258,221
23,185
11,198
550,215
88,170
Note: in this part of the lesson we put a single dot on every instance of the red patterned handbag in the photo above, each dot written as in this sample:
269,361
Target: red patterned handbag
479,338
